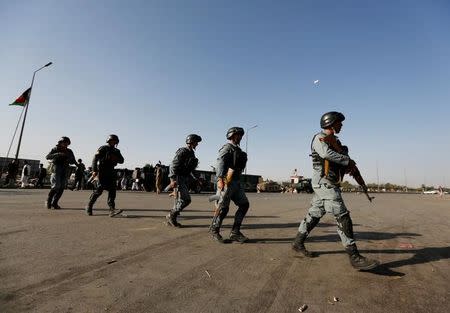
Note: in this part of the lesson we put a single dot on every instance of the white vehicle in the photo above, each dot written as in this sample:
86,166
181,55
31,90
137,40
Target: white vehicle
431,192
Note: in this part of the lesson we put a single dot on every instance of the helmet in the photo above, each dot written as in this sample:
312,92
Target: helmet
112,137
330,118
193,138
235,130
64,139
80,160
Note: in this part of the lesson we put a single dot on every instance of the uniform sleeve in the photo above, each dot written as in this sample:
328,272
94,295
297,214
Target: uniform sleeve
98,155
53,154
72,158
176,162
223,162
325,152
120,158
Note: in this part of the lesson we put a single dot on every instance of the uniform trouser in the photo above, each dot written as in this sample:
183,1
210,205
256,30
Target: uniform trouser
104,184
58,182
79,182
234,193
329,199
183,199
40,182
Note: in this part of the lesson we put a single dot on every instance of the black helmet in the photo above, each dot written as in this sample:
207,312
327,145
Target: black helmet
330,118
235,130
193,138
80,160
64,139
112,138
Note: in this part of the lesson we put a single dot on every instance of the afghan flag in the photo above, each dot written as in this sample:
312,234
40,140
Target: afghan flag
23,99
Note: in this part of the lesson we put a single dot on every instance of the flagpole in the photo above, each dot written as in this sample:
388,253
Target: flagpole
26,109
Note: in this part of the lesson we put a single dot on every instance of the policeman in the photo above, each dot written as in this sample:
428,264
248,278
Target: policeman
106,158
230,164
180,171
79,175
60,156
328,169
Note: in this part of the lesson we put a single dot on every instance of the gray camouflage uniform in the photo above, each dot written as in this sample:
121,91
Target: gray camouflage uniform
181,168
227,158
61,159
327,194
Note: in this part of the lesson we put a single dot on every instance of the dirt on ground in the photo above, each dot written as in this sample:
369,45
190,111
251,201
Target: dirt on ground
65,261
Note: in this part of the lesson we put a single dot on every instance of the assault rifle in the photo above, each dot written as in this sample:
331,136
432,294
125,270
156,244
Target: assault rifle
353,171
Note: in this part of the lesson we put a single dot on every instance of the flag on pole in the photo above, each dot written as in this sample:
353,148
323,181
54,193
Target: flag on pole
23,99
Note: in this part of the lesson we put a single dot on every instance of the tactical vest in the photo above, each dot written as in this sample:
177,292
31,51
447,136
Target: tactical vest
239,158
188,162
333,172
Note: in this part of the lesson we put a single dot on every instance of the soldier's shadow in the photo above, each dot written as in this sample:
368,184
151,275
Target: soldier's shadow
420,256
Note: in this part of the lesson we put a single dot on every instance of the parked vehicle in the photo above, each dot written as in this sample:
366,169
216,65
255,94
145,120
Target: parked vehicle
304,185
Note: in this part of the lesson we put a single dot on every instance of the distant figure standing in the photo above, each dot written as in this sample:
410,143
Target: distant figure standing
25,174
61,157
42,174
13,168
79,175
158,178
124,181
441,191
106,158
136,179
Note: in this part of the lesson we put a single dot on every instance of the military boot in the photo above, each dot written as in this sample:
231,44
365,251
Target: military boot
48,204
56,206
358,261
215,235
88,209
113,212
171,219
236,235
299,245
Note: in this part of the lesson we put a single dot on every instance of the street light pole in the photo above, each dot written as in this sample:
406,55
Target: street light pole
246,142
26,109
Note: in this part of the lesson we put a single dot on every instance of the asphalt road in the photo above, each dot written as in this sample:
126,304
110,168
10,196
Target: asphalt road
65,261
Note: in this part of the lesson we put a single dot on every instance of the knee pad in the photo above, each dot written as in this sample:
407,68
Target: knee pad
313,221
345,224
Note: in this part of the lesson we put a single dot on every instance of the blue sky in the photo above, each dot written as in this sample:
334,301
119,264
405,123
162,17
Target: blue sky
154,71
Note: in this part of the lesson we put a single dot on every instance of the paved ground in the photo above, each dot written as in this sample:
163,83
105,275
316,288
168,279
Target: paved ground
65,261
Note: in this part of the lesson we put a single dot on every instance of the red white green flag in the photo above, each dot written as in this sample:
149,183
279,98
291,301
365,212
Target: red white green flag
23,99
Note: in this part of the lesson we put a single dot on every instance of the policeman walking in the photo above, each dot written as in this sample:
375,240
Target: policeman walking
230,164
106,158
61,157
180,171
329,166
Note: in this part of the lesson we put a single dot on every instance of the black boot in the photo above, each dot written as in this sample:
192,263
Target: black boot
215,235
358,261
171,219
299,245
88,209
113,212
236,235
